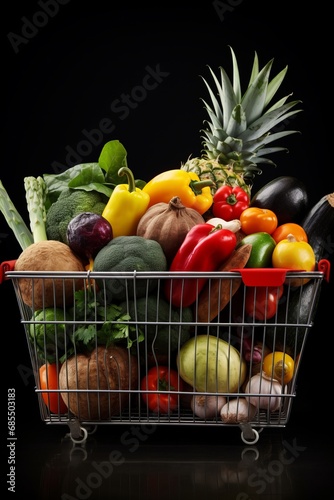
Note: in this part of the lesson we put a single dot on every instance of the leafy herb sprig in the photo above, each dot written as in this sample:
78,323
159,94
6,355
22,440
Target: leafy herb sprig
96,321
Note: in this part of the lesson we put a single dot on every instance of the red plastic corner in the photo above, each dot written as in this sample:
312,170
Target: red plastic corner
274,276
6,266
262,276
324,266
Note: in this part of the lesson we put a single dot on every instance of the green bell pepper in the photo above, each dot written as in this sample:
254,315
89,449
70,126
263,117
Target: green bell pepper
263,245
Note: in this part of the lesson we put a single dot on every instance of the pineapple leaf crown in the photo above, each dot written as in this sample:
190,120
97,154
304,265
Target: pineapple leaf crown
240,125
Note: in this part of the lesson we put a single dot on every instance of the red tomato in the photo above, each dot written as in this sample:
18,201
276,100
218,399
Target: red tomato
48,379
261,302
255,220
161,378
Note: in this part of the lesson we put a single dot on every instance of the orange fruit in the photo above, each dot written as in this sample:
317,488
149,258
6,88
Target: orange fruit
282,231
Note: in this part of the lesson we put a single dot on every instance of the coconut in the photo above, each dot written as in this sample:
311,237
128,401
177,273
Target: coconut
40,292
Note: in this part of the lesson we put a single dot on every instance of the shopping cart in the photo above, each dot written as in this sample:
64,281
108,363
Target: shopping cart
78,343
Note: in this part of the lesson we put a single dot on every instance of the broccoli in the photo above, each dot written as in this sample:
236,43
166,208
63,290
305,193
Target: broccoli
47,333
70,203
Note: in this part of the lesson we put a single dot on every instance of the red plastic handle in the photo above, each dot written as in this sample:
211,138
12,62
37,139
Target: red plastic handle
262,276
6,266
325,267
274,276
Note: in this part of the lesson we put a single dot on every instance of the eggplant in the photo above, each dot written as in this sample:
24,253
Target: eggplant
286,196
319,227
288,331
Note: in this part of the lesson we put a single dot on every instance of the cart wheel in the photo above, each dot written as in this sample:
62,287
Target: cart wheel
250,455
248,440
78,454
82,439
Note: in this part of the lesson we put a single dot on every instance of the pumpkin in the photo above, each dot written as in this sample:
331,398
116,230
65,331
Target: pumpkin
168,224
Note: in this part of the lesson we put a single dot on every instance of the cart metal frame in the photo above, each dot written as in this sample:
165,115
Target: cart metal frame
225,326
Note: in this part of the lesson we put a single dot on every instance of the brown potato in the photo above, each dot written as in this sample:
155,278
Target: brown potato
51,256
105,368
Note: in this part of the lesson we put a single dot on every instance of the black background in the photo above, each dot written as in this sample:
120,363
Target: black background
64,71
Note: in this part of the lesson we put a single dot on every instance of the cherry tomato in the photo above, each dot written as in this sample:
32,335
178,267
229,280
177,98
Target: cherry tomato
48,379
261,302
254,220
282,231
161,378
279,365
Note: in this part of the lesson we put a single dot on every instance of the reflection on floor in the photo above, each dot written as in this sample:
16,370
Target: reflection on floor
170,463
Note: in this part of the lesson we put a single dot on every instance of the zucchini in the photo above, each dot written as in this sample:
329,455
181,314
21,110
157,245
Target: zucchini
319,227
286,196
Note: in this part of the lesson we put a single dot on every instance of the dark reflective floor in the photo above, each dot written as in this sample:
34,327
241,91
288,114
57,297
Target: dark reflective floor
171,463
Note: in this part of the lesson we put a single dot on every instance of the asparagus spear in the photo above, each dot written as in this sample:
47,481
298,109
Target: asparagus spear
14,219
35,188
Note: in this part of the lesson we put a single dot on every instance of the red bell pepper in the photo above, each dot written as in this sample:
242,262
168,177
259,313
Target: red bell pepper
229,202
204,249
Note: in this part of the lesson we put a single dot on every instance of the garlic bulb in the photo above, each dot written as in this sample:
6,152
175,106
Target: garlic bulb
233,225
207,406
237,410
268,389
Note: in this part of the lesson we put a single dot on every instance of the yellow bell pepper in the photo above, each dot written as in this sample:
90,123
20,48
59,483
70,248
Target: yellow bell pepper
290,253
126,205
192,192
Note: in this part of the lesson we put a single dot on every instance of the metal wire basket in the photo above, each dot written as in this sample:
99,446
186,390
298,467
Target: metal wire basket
86,326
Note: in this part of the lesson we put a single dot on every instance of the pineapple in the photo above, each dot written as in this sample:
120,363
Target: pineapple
240,127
